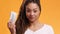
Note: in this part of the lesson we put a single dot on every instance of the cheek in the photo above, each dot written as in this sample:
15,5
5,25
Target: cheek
27,14
37,14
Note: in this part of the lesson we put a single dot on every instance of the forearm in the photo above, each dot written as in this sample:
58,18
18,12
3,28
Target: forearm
13,32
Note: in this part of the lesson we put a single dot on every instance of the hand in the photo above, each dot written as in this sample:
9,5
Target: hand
11,27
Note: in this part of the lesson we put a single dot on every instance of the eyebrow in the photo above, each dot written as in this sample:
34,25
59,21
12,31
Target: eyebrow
33,9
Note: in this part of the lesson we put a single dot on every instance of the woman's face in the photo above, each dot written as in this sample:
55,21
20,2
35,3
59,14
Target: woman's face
32,12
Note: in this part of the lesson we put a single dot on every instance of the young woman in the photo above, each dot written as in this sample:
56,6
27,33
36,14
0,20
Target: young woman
27,21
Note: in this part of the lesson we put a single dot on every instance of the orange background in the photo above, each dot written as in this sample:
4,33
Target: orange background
50,13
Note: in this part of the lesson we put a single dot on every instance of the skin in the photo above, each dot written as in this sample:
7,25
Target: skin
11,27
32,13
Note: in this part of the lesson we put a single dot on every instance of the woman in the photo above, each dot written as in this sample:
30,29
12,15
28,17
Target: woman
27,21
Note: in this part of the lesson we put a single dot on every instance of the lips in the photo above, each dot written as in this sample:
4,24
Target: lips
31,17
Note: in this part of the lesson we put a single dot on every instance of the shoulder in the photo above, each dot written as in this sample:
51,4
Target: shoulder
49,28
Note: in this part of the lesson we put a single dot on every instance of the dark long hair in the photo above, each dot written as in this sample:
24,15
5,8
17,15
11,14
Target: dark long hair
22,23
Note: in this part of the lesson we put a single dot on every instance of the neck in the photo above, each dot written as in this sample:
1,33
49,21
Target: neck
35,23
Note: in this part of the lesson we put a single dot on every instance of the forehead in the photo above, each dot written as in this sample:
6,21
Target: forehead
32,6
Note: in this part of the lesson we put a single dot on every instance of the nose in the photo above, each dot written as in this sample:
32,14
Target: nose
32,13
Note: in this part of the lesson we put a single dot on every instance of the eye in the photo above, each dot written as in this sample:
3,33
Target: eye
27,10
35,11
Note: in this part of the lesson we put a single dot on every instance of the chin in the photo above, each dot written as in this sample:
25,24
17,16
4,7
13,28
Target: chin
32,20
